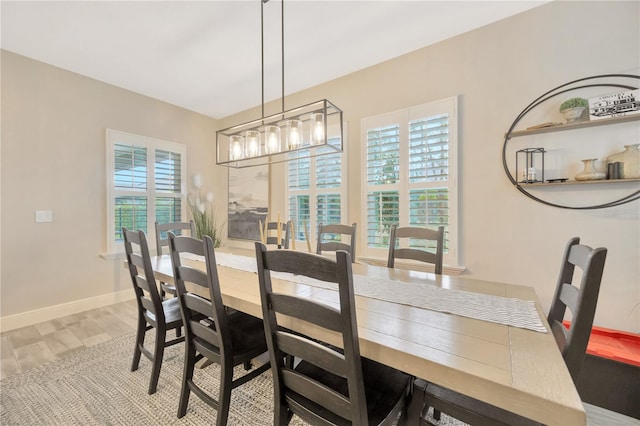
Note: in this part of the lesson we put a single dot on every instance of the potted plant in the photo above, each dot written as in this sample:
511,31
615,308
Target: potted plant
573,108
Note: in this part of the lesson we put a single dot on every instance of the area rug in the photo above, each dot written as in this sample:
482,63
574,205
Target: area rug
95,387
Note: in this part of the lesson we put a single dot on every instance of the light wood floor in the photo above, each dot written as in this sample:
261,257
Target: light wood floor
48,341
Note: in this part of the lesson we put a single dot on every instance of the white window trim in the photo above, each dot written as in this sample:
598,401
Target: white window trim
313,191
402,117
114,250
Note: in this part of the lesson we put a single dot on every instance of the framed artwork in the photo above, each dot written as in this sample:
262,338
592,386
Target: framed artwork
615,105
248,201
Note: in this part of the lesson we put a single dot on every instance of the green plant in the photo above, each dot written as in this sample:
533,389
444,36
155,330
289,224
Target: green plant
204,215
574,103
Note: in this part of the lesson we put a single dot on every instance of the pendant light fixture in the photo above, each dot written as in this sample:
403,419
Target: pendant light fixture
309,128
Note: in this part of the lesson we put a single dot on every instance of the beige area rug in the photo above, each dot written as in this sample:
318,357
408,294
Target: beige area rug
95,387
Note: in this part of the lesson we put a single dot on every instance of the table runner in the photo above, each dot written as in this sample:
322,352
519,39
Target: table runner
502,310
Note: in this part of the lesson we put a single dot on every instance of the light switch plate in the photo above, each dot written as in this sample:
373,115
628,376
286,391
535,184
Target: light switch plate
44,216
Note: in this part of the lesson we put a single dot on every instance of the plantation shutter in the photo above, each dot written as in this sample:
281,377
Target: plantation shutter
129,177
168,186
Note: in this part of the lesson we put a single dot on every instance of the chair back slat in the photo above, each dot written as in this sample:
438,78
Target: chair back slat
560,333
317,392
413,254
285,237
343,364
324,316
137,260
422,255
142,283
148,305
178,228
323,356
580,298
337,230
570,296
205,333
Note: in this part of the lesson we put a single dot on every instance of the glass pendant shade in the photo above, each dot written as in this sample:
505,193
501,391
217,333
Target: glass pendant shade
272,139
236,147
294,134
317,128
252,143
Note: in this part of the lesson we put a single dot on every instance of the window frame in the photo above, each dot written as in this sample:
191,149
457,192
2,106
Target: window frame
403,118
313,191
114,137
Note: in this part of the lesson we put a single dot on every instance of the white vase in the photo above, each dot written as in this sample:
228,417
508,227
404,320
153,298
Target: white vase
630,159
590,172
572,114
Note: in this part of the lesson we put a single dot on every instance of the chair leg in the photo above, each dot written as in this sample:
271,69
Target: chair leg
187,377
140,334
224,399
436,414
158,354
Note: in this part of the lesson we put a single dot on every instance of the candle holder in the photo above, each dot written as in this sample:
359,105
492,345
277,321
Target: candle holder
530,174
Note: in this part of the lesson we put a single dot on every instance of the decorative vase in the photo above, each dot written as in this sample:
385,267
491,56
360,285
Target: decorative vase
630,159
590,172
572,114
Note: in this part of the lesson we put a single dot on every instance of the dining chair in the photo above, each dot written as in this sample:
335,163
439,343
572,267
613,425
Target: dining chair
325,385
162,240
581,300
272,227
153,312
330,239
417,233
211,332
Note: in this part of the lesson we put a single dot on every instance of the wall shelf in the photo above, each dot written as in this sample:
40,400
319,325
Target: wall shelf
577,182
573,126
612,82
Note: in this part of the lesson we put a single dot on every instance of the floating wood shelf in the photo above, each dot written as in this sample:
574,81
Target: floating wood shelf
577,182
574,125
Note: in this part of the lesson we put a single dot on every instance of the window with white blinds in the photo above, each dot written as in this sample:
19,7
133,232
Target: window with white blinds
410,174
145,179
315,185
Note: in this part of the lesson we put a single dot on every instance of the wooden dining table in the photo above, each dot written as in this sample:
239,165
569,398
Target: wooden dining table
510,367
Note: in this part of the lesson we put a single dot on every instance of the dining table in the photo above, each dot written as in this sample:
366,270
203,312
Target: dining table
426,325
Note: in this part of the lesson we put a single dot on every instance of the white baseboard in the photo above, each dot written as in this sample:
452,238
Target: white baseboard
24,319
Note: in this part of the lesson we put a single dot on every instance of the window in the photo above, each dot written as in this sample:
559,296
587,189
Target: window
315,185
410,174
145,177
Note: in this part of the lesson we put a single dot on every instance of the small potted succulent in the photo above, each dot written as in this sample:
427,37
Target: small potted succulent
573,108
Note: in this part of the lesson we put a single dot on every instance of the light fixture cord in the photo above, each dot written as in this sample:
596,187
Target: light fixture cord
282,41
262,2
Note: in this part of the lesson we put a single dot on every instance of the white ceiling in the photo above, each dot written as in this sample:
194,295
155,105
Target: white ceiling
205,55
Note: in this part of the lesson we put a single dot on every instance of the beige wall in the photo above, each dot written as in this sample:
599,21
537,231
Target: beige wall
53,120
53,158
496,71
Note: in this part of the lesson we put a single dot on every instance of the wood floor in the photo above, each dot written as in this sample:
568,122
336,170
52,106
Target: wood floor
41,343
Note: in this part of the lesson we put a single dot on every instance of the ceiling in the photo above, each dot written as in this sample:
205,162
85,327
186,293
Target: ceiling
205,55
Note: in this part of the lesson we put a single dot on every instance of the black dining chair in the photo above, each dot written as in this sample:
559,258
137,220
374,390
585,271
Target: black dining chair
227,339
325,385
153,312
285,237
425,235
580,299
162,240
330,239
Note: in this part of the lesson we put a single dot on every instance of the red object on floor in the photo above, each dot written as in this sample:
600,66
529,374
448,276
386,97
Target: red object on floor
617,345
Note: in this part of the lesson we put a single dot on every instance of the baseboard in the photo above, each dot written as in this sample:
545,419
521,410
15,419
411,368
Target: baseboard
24,319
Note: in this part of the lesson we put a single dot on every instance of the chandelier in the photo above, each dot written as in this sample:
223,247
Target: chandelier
312,130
